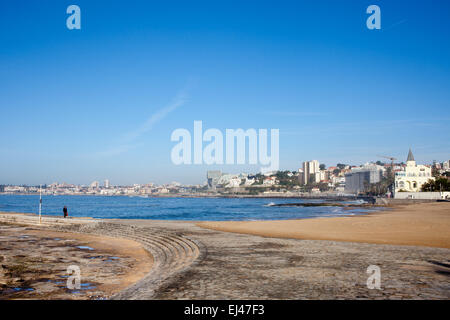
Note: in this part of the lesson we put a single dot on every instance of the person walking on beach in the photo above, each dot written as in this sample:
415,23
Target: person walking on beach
65,211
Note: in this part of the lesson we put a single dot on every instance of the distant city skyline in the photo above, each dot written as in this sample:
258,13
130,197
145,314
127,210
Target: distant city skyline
312,168
101,102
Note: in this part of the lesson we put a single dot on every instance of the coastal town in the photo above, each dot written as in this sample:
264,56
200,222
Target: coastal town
399,179
225,159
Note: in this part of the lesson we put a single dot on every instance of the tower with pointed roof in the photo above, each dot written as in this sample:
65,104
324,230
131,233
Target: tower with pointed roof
412,177
410,160
410,156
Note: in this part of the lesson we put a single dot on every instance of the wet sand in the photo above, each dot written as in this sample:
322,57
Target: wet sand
34,264
426,224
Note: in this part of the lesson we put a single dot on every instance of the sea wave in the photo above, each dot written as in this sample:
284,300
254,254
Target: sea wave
270,204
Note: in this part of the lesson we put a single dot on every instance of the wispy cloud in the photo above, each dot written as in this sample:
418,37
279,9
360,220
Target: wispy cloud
394,25
128,140
179,100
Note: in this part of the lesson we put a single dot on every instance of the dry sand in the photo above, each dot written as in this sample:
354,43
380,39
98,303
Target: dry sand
425,224
199,263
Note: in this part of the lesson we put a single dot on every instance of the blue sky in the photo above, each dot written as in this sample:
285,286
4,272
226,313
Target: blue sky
101,102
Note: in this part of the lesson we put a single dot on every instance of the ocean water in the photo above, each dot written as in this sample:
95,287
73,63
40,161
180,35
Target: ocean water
200,209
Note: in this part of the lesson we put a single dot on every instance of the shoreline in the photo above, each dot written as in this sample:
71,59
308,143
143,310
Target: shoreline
275,195
409,224
229,265
415,225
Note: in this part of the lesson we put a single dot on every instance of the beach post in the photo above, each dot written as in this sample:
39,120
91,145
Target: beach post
40,202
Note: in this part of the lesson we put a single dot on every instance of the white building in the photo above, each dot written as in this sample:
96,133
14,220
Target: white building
106,183
94,184
446,165
413,176
338,180
163,191
233,183
324,175
269,181
311,172
249,181
232,180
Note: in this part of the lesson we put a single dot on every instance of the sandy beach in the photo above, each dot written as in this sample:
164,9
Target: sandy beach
425,224
325,258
